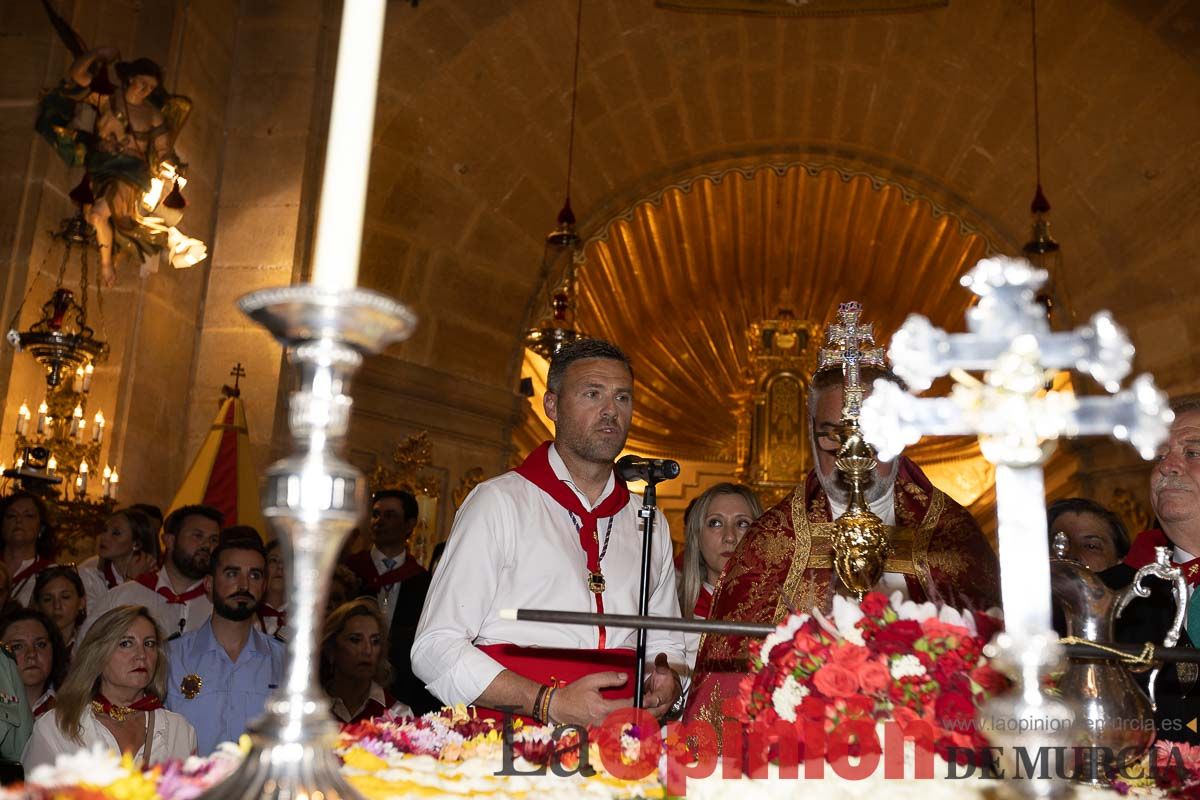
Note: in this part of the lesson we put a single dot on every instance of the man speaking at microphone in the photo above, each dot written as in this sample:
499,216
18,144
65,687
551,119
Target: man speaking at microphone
559,532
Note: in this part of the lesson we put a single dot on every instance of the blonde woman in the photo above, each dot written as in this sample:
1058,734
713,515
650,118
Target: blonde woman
716,522
353,667
112,696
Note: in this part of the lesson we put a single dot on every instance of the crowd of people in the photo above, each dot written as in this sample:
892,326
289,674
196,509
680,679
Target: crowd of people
170,640
167,651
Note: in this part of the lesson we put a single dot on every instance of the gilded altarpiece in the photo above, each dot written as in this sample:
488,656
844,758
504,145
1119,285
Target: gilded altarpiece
773,448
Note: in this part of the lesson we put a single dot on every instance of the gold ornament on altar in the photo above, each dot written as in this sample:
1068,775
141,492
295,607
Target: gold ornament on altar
861,541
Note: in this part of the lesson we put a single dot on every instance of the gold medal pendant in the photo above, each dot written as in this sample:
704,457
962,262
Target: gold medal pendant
596,582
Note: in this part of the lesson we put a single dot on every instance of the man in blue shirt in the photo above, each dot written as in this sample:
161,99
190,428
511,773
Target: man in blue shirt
221,673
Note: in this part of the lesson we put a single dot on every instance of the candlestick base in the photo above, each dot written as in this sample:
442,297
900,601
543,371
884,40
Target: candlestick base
312,499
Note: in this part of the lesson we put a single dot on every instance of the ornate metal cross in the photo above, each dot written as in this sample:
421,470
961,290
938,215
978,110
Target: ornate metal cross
844,347
1017,420
238,372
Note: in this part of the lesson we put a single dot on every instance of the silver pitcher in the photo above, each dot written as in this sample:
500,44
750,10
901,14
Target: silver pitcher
1116,715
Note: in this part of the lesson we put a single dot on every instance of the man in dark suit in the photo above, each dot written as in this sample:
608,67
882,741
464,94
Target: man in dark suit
398,582
1175,498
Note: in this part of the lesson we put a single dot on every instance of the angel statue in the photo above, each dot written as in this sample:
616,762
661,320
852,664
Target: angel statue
124,137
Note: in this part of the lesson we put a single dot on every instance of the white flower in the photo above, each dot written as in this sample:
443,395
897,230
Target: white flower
783,633
95,767
787,697
846,614
907,609
907,666
963,619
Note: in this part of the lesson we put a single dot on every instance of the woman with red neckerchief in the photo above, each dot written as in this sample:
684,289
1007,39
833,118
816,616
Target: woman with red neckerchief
112,696
127,547
41,657
26,541
714,524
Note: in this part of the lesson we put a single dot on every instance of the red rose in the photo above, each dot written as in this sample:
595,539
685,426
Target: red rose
991,681
850,656
835,681
955,712
874,604
805,642
947,665
859,706
987,626
811,708
874,677
899,637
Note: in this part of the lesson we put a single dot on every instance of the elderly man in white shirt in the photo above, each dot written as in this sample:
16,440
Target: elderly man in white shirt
559,532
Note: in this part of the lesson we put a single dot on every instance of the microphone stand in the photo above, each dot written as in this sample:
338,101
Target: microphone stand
646,514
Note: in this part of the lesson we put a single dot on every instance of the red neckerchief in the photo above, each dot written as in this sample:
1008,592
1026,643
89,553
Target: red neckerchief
265,612
110,577
44,706
18,580
102,705
409,569
1142,553
150,581
537,470
703,603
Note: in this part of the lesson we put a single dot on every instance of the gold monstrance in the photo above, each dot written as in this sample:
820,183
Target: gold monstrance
860,539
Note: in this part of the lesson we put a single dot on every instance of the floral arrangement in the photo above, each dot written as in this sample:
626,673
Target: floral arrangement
874,661
100,774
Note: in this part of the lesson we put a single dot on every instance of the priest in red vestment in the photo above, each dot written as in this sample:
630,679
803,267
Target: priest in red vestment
785,561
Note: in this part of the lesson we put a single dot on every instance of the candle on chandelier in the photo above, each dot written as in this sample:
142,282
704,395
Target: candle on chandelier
77,384
43,418
106,480
51,466
20,463
81,482
76,419
79,434
98,430
87,377
112,485
23,417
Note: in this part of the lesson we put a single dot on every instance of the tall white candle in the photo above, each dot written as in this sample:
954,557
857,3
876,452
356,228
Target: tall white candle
348,151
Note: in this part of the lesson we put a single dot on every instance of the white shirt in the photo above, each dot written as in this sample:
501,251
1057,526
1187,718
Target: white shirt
172,738
344,714
387,596
884,508
692,640
513,546
169,616
94,584
23,591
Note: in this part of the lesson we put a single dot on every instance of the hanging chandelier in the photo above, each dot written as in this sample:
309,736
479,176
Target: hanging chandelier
60,339
561,253
1041,249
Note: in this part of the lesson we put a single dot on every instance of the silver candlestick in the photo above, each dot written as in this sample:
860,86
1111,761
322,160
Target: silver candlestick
312,499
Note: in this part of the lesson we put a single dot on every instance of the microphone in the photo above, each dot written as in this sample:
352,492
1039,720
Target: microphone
650,470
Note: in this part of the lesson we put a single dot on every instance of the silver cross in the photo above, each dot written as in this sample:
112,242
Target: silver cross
1018,421
844,342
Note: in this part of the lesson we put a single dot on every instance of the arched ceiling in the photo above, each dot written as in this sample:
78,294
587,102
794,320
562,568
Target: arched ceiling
678,278
470,153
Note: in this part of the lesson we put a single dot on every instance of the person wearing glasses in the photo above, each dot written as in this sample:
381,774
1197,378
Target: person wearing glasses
937,551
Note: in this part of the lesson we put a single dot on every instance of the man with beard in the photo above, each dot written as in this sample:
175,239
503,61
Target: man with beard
561,531
784,563
175,593
399,584
221,674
